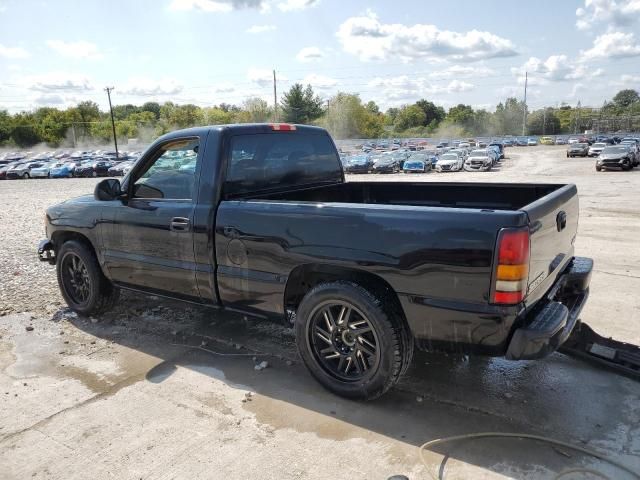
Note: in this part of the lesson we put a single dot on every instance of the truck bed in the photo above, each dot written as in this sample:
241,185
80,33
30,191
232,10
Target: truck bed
491,196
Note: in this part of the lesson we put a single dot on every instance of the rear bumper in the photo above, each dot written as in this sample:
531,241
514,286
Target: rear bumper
551,321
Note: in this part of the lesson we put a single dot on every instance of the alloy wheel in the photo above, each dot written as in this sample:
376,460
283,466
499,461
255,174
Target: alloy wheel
75,278
343,341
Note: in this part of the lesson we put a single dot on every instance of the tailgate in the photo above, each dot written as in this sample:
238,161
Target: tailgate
553,223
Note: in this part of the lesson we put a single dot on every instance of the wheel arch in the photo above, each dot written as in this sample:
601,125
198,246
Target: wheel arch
304,277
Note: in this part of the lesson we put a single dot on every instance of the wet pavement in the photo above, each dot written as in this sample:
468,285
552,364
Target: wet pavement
122,396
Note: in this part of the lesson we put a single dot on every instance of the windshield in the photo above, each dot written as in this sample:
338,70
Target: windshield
449,156
414,164
599,145
615,150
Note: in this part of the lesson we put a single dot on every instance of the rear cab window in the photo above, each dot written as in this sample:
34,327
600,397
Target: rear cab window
273,161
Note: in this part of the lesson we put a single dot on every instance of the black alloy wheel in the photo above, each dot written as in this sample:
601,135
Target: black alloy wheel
75,278
343,341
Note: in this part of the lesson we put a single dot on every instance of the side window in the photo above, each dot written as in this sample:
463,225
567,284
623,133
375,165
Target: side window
172,174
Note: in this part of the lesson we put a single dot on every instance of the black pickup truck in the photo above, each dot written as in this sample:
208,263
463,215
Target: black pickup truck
259,219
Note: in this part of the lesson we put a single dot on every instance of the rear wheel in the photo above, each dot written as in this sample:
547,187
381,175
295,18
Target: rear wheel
82,283
598,168
26,176
349,343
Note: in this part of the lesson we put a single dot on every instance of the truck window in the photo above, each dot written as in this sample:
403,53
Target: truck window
172,174
266,161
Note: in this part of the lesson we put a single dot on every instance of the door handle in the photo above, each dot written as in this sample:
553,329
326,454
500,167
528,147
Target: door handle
179,224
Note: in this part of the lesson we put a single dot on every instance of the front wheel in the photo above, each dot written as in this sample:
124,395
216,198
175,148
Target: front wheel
82,284
349,342
26,176
598,168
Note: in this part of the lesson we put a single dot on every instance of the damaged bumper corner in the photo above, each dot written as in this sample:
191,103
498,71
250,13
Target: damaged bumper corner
46,252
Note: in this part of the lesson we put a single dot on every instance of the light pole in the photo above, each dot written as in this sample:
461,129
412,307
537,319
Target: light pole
113,123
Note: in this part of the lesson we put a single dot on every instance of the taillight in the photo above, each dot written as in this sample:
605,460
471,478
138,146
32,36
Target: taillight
283,127
512,266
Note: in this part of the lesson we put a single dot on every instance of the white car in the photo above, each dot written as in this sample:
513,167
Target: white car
479,160
532,142
449,162
460,151
596,149
573,140
43,171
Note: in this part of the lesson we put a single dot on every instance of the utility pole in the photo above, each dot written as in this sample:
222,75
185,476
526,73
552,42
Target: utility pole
524,110
73,130
275,98
577,118
113,123
544,120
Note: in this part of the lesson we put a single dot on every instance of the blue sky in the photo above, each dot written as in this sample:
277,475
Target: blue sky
212,51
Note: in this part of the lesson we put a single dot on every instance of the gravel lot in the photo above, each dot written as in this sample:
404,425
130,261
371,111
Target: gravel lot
121,397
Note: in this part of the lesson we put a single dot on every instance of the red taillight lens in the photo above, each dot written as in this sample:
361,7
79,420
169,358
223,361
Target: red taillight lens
513,247
512,269
283,127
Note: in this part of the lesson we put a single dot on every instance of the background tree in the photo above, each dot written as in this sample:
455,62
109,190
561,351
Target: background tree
433,113
301,105
409,116
625,98
258,109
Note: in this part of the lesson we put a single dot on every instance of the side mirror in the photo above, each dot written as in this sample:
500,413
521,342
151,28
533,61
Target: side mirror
108,189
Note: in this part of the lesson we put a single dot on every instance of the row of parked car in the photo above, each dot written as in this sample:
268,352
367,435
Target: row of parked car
622,155
463,156
65,164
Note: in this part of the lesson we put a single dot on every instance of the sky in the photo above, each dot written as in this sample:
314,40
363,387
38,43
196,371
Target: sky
57,53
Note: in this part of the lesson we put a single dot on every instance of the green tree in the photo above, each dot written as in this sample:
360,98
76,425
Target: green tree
347,117
24,131
409,116
543,122
153,107
372,107
258,109
122,112
52,125
625,98
508,117
433,113
301,105
217,116
5,126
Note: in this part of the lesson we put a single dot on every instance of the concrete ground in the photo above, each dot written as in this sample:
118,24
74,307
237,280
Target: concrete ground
122,396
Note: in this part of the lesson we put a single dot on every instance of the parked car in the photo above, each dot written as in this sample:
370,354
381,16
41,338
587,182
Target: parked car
22,170
3,171
359,164
381,268
547,141
41,171
479,160
573,140
500,148
522,142
532,142
429,157
449,162
615,158
596,148
561,141
578,150
634,147
62,170
385,164
416,166
84,169
117,170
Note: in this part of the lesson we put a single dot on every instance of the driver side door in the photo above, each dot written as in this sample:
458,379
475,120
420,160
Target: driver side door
151,242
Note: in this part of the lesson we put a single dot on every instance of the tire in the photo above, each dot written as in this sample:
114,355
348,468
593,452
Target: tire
100,294
384,335
25,176
94,174
598,169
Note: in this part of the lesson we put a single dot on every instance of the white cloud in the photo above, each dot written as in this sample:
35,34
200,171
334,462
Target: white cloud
50,99
320,82
369,39
310,54
13,52
290,5
80,49
58,82
612,45
260,76
143,87
261,29
614,13
626,81
462,71
225,6
216,6
404,88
